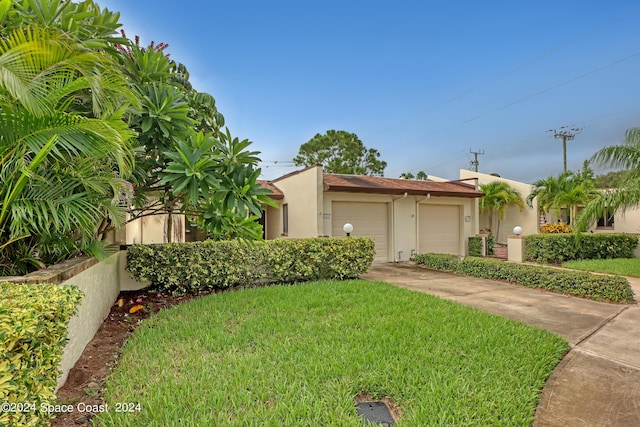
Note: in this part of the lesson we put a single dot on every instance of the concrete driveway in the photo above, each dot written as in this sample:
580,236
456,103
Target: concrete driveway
598,381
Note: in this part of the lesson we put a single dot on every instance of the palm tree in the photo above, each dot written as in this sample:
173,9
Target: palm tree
422,175
63,168
568,191
497,196
626,157
406,175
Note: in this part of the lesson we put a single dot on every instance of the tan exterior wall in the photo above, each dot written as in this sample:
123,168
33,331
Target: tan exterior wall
624,222
153,229
527,218
273,221
303,195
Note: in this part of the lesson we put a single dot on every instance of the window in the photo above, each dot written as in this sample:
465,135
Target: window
285,219
606,221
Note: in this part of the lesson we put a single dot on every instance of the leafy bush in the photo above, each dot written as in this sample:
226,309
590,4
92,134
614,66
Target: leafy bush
191,267
556,228
444,262
598,287
556,248
593,286
491,242
33,325
475,246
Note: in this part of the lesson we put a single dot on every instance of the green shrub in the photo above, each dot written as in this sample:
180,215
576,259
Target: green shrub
444,262
491,242
191,267
33,332
475,246
557,248
598,287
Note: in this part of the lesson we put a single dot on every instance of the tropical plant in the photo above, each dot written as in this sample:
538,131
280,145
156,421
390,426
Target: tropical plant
567,191
497,196
340,152
185,163
407,175
422,176
627,195
63,167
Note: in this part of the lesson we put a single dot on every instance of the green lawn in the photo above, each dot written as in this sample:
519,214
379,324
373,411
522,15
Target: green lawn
621,266
298,355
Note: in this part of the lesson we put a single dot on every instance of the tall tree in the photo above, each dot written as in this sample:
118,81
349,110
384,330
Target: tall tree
497,196
340,152
627,195
185,164
422,176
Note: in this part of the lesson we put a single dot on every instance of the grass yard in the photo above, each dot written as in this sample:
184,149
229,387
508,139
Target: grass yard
298,356
621,266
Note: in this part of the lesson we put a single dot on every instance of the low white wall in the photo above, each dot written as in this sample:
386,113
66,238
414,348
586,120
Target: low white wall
101,285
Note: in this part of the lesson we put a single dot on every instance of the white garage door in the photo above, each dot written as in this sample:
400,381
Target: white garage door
439,228
368,220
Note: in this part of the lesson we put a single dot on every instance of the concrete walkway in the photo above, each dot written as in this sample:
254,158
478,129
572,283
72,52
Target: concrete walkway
598,381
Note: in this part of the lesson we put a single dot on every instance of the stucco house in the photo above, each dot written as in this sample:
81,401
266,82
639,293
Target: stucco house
403,217
530,220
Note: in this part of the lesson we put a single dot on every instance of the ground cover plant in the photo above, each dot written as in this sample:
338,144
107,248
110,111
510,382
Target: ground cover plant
620,266
299,355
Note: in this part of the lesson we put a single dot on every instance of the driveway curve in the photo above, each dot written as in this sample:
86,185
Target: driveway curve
597,383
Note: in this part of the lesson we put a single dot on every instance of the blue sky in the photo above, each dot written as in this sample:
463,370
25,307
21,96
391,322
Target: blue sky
423,82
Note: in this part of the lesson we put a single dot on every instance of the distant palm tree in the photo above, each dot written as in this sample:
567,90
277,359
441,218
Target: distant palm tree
627,194
406,175
422,175
497,196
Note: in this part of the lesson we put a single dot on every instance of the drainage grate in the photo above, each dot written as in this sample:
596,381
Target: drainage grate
375,412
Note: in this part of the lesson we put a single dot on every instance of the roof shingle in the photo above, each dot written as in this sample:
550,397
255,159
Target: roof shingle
380,185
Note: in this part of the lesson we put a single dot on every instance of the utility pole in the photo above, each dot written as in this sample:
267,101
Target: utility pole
474,162
565,133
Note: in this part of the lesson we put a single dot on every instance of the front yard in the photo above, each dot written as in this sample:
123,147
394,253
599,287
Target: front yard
620,266
300,355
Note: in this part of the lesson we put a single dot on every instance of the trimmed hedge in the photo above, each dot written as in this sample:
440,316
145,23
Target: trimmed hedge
443,262
33,333
475,246
557,248
192,267
578,283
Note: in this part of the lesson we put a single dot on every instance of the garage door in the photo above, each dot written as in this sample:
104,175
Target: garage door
439,228
368,220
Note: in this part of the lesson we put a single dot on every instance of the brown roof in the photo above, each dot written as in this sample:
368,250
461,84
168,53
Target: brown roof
276,193
380,185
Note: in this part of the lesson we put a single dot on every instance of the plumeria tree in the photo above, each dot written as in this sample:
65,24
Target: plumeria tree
185,163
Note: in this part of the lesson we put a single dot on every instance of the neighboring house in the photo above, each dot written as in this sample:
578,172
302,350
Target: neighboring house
403,217
528,218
